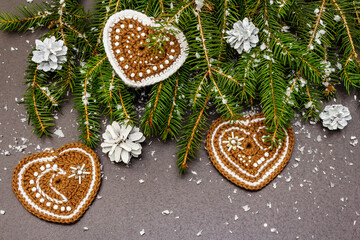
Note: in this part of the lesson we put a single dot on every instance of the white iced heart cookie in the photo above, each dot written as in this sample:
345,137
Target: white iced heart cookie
58,186
125,37
239,151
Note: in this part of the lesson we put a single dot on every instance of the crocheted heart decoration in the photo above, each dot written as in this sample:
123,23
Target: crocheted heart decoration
58,186
125,37
239,151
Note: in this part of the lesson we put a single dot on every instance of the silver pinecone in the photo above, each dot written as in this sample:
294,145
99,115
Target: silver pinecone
50,54
121,142
335,116
243,36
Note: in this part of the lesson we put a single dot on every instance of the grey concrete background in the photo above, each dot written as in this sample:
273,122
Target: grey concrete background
316,196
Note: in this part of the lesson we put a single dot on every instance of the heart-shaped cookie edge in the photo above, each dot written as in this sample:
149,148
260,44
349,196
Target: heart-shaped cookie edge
229,175
90,194
128,13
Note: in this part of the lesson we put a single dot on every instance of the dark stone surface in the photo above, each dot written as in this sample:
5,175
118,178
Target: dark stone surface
316,196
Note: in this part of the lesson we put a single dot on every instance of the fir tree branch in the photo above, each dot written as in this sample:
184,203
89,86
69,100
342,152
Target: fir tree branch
117,6
147,7
98,41
25,19
69,78
164,135
223,29
222,97
192,140
160,32
51,99
347,30
150,119
42,128
317,23
75,15
309,96
78,33
199,87
127,115
284,3
204,44
88,135
162,6
275,116
224,75
246,72
61,23
33,16
345,71
109,92
251,11
37,103
356,13
309,65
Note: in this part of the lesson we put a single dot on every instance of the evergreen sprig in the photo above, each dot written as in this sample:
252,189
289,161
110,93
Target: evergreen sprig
306,49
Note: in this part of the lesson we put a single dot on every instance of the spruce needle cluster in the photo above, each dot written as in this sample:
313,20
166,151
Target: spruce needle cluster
306,49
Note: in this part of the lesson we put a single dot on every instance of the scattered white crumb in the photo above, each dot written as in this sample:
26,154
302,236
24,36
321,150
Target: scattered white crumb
141,181
354,141
273,230
142,232
246,208
98,197
265,224
2,212
274,185
59,133
288,179
193,172
86,228
198,181
165,212
236,217
199,233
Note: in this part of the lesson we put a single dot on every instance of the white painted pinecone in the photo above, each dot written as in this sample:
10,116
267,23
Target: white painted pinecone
121,142
50,54
335,116
243,36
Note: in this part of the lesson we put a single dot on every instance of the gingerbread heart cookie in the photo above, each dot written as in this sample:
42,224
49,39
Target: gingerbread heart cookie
239,151
125,39
58,186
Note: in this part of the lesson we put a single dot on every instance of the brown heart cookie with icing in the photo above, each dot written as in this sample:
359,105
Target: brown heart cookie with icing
125,41
239,151
58,186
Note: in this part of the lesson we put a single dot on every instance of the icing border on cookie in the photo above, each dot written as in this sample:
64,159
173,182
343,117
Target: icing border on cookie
145,20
